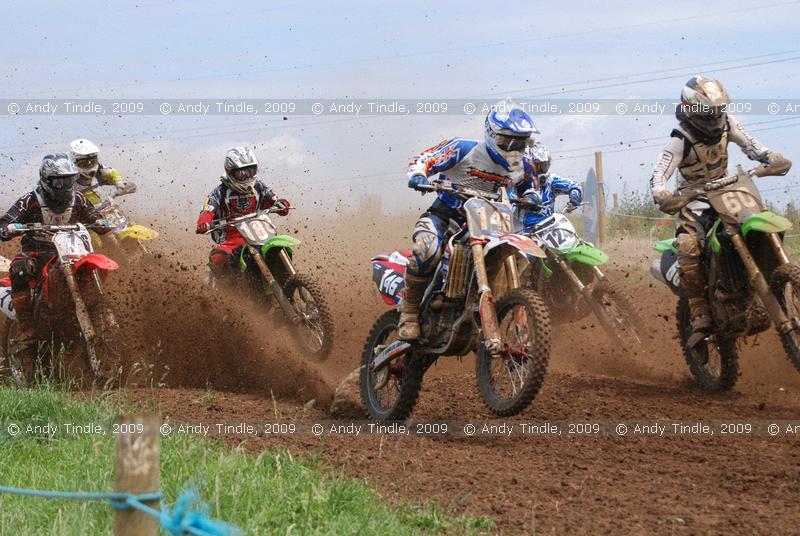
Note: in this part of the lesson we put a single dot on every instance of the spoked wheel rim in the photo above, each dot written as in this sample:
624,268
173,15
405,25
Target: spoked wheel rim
791,306
510,370
385,384
621,322
311,323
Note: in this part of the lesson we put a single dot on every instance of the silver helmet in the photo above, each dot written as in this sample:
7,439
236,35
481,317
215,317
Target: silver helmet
241,167
538,157
57,176
702,107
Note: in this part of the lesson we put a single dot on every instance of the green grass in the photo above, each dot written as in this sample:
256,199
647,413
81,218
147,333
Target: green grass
269,493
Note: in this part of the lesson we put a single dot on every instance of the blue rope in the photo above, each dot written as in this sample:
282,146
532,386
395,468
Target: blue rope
179,521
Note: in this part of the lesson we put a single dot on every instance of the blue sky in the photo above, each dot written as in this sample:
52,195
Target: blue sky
356,49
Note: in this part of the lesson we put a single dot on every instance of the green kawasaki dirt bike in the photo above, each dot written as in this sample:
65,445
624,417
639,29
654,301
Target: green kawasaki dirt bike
751,282
569,278
299,296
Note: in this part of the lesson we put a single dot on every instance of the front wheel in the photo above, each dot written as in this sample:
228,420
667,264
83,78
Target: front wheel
23,364
509,382
785,283
617,315
391,393
314,330
714,362
103,353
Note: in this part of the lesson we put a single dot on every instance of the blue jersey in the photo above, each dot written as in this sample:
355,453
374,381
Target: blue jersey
549,187
470,163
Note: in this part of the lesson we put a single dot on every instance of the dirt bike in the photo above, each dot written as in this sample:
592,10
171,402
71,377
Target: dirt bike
126,239
459,314
299,296
751,281
69,303
570,278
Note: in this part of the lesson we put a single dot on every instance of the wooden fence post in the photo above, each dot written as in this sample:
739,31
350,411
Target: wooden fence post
601,197
137,469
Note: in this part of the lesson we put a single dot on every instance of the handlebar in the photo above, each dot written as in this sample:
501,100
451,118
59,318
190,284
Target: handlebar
461,191
219,224
23,228
689,193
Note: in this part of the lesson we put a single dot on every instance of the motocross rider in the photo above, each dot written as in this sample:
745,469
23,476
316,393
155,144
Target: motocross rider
487,165
53,202
85,155
238,194
698,149
541,187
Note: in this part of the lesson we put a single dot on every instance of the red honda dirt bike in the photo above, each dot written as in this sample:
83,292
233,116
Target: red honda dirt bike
459,314
70,305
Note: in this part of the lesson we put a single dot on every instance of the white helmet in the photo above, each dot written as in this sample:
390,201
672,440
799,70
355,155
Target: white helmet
84,155
241,167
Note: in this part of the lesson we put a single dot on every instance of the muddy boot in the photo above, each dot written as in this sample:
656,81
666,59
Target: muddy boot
26,330
700,314
408,326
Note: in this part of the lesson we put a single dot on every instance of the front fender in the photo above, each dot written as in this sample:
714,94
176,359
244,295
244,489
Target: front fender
95,261
138,232
766,222
587,254
279,241
521,243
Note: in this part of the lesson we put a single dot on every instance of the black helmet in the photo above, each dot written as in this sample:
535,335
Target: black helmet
57,176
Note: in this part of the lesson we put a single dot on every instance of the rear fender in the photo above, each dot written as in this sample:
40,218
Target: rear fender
388,273
666,245
138,232
587,254
279,241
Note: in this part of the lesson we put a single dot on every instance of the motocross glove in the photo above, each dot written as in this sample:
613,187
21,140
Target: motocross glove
202,227
575,197
418,180
533,197
284,206
7,232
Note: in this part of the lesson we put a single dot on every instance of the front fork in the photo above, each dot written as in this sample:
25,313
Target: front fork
277,290
757,280
81,311
486,309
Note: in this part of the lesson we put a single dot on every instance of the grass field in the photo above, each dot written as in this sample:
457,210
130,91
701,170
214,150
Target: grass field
271,493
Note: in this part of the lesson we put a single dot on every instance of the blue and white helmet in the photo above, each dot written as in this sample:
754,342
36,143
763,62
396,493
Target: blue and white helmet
508,131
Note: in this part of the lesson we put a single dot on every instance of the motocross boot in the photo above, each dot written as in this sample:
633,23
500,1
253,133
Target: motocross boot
699,311
26,330
414,290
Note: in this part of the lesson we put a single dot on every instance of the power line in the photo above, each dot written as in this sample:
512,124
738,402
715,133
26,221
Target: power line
432,51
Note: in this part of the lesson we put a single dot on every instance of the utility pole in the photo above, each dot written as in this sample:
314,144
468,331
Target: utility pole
601,197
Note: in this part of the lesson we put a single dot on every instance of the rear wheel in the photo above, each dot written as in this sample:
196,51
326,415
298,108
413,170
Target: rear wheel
509,382
314,331
714,363
391,393
617,315
785,283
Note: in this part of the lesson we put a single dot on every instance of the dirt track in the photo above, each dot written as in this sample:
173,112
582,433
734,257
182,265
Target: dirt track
200,341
